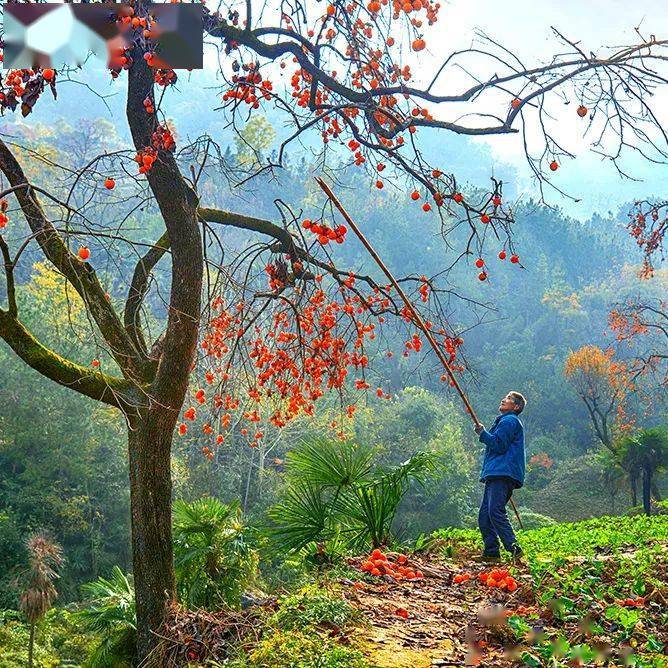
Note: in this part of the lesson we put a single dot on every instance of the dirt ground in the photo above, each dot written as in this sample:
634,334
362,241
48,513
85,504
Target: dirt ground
446,624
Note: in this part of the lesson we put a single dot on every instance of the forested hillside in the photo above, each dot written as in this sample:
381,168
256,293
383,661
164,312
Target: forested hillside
63,465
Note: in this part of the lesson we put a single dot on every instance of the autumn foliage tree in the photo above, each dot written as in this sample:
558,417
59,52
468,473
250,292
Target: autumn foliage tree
280,324
603,384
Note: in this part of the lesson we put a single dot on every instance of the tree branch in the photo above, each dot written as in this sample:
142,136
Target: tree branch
9,273
177,202
139,288
102,387
80,274
242,222
287,242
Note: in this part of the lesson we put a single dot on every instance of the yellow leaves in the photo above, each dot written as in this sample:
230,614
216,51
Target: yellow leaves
600,380
55,299
256,137
590,361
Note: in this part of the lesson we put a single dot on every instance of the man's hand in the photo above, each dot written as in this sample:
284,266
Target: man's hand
478,428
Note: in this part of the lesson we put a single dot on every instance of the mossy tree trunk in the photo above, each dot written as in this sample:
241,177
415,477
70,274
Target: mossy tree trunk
154,379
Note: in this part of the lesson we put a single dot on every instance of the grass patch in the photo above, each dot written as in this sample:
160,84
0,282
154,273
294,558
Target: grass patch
311,607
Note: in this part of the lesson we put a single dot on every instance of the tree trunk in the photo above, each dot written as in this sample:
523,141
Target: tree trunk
646,487
149,442
31,645
634,489
152,425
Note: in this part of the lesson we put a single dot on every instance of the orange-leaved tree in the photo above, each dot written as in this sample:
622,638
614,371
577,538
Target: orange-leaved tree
603,384
280,315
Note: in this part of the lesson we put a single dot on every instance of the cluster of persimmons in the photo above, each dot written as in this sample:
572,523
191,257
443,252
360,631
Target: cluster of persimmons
395,566
496,578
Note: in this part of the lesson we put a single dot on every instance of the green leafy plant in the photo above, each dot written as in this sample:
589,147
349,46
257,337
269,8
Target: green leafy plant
334,493
214,559
312,607
61,640
110,613
295,649
310,629
595,576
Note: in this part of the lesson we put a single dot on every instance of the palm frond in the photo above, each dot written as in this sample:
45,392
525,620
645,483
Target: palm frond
333,492
369,509
321,462
213,558
111,603
116,650
419,468
300,518
203,516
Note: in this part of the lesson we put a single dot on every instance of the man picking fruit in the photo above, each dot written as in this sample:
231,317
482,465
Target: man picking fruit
502,472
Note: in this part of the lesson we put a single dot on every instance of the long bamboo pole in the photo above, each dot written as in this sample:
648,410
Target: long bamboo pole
417,318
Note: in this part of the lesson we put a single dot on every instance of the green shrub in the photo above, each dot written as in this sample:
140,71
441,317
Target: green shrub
335,493
658,508
111,614
60,640
214,560
294,649
302,633
311,607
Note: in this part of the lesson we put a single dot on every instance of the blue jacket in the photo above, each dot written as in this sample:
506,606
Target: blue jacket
504,449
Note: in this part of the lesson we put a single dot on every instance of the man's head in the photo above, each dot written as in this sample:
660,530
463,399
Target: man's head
513,402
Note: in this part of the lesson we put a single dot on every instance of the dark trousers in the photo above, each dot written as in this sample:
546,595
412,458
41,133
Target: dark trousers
493,519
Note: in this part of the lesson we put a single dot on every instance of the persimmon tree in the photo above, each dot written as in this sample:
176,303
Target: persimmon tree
641,323
280,324
648,225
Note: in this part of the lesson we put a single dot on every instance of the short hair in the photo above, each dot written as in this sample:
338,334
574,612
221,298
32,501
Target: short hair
518,400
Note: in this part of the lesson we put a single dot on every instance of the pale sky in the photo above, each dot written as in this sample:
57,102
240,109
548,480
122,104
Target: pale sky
524,27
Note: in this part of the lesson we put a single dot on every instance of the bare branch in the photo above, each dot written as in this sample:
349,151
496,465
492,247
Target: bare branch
138,289
80,274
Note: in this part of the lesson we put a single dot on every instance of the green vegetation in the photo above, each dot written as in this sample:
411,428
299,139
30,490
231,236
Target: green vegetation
608,574
309,628
296,649
334,493
110,617
215,562
61,640
571,539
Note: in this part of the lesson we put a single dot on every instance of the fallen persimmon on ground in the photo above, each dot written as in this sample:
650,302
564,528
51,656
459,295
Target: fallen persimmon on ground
395,566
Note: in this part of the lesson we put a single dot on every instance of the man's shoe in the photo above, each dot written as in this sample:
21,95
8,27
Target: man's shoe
517,555
487,558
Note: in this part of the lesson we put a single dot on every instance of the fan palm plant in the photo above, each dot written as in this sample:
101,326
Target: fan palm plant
37,582
111,614
334,492
214,559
